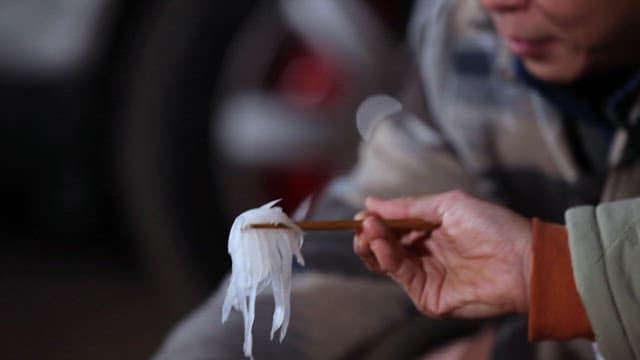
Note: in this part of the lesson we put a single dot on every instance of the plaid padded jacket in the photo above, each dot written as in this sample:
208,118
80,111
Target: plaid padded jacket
467,121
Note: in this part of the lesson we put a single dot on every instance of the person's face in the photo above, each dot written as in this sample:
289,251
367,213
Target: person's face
561,40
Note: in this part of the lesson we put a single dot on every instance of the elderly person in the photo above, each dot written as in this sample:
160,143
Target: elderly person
567,122
529,108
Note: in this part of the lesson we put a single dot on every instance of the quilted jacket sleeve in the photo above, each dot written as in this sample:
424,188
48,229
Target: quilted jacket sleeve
605,252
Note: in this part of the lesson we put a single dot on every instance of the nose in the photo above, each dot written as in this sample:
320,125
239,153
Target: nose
505,5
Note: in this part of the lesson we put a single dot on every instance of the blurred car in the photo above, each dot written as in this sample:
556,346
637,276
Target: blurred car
143,127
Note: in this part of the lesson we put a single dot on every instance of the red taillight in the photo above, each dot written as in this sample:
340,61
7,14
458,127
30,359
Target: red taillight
309,79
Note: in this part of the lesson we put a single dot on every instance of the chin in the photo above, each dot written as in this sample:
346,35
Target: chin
555,71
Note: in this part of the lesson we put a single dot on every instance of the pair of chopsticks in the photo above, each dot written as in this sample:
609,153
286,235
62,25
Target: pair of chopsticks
322,225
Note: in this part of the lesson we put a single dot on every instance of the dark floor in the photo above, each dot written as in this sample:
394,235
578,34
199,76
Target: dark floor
75,305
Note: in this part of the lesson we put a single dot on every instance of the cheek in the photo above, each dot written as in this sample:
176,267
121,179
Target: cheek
587,23
568,12
568,23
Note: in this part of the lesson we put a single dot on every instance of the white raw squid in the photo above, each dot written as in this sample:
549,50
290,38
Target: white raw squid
260,257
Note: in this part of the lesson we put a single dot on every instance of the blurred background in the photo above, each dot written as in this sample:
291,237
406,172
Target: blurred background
132,132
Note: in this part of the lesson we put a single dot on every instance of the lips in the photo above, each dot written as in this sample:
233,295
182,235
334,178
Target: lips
529,47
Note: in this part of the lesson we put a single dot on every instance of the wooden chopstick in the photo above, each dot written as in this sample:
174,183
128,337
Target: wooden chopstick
320,225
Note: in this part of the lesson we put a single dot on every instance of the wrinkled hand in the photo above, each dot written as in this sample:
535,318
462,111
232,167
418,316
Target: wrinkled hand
475,264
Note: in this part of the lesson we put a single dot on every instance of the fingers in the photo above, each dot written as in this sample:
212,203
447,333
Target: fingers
388,254
378,247
383,252
414,238
401,264
373,231
362,245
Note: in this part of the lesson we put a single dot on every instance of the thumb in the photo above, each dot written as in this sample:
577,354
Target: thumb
424,207
390,209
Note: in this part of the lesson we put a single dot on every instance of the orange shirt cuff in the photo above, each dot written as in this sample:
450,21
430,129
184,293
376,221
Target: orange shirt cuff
555,309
